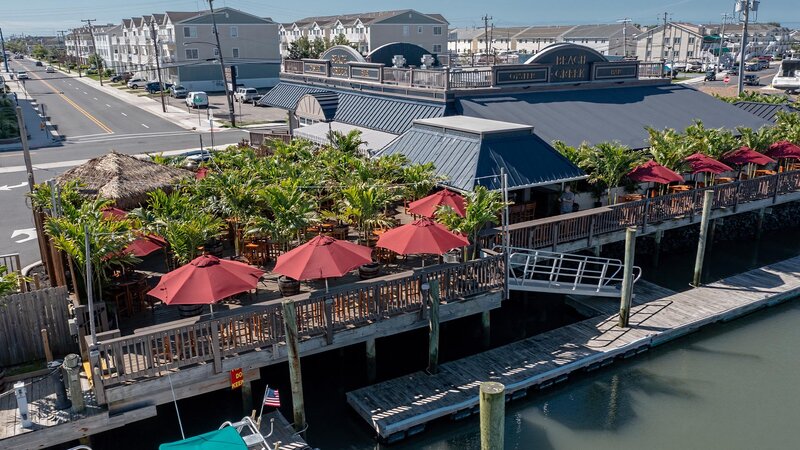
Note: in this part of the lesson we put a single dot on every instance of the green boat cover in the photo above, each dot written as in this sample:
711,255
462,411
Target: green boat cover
224,439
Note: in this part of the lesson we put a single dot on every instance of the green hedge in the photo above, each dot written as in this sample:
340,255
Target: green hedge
8,119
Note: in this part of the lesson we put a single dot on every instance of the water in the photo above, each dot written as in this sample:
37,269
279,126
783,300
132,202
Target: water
729,386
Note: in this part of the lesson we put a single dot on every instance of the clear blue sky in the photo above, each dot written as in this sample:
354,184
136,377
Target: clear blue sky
46,16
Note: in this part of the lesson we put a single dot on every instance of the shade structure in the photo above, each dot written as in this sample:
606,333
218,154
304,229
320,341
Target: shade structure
322,257
144,245
226,438
206,280
784,149
427,206
652,171
703,163
422,236
746,155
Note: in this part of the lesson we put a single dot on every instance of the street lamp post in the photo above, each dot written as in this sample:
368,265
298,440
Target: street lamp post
231,111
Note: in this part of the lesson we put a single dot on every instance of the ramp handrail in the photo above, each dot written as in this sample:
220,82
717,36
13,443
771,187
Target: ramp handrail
565,270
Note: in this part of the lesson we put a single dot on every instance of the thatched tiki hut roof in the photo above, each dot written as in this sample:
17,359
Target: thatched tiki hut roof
123,178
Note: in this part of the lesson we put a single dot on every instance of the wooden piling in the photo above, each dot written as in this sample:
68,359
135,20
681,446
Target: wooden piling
486,327
627,277
712,231
72,368
760,223
708,200
659,235
247,397
493,414
372,366
433,323
293,355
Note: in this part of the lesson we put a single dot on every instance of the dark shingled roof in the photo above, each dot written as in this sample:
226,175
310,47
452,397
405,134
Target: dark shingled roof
610,114
385,114
470,159
766,111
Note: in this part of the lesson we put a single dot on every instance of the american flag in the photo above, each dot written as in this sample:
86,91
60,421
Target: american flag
272,398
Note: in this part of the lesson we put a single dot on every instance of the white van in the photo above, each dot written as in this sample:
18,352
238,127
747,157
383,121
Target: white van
198,99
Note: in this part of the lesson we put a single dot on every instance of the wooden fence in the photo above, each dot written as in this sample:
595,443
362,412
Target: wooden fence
187,342
24,315
551,231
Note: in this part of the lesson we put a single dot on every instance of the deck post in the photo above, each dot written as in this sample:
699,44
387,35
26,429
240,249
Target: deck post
657,250
486,326
295,374
433,323
247,397
708,199
372,363
493,415
760,223
72,367
627,277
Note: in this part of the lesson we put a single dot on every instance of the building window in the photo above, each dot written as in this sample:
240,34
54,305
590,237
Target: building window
689,54
437,31
235,52
437,48
191,53
419,29
190,32
216,51
406,30
676,40
234,31
691,40
647,55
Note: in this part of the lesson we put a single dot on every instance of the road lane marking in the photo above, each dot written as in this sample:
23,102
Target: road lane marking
60,93
145,126
108,105
85,92
124,114
95,98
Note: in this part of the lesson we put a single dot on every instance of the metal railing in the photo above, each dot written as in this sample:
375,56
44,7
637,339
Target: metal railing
12,262
471,78
565,272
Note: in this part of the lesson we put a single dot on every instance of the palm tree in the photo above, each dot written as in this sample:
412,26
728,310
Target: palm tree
291,210
482,207
787,126
419,179
574,154
347,143
232,195
757,140
607,164
669,148
366,205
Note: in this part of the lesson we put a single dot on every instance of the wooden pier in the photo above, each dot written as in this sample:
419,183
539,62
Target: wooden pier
402,407
283,436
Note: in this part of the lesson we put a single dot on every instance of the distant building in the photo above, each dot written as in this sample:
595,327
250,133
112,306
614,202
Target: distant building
368,31
79,44
763,39
678,42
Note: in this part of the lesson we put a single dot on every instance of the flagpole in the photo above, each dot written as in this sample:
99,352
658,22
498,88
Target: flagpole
260,413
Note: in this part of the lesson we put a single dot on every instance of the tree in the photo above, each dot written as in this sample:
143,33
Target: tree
300,48
757,140
232,195
347,143
482,207
787,126
711,142
96,61
365,205
607,164
291,209
39,52
319,45
340,39
9,281
669,148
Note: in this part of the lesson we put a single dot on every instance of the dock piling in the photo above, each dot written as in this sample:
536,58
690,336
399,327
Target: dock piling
295,374
760,223
627,277
659,235
493,415
247,397
708,200
486,326
72,367
433,323
372,366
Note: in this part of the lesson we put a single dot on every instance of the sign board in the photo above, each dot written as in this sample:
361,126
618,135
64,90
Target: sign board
615,70
726,80
316,67
523,74
237,378
366,71
339,56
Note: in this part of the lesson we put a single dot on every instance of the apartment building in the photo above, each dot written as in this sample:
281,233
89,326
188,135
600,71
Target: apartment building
678,42
368,31
79,44
763,39
108,39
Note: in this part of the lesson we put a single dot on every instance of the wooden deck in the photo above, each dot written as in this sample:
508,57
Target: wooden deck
283,435
401,407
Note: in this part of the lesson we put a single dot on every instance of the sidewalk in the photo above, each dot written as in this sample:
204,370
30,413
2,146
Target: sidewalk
174,114
41,132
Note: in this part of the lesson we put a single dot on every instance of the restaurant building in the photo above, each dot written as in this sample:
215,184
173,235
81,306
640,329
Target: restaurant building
473,122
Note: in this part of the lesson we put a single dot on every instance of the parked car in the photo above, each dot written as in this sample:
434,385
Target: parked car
124,77
733,71
755,67
154,87
752,79
694,66
18,56
178,91
197,99
245,95
50,69
135,83
22,75
711,75
38,64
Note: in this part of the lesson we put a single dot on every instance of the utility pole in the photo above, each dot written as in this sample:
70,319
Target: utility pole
624,23
158,65
3,45
486,18
97,59
744,6
64,41
77,51
722,39
231,111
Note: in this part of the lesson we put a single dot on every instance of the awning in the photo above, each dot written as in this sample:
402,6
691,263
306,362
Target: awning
224,439
318,133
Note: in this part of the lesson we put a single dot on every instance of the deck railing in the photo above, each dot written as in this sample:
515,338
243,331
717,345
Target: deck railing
551,231
193,341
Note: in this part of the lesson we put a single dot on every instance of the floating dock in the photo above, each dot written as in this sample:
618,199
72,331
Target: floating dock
403,406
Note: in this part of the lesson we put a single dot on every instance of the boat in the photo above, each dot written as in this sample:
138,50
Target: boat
788,76
242,435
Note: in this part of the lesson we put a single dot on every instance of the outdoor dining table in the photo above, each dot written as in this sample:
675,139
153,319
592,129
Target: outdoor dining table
679,188
764,172
721,180
130,289
630,198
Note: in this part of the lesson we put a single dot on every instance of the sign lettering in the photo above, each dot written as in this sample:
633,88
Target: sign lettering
520,75
616,70
237,378
315,68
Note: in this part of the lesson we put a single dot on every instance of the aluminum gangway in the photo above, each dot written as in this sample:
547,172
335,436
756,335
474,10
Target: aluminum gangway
565,273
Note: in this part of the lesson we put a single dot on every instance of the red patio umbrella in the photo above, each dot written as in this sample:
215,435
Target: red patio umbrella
422,236
746,155
112,213
144,245
427,206
322,257
205,281
703,163
655,172
783,149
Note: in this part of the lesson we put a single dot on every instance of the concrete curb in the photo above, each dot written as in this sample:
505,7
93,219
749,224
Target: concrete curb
27,269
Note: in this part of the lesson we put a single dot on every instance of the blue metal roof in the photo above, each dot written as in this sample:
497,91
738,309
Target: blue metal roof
380,113
609,114
766,111
468,159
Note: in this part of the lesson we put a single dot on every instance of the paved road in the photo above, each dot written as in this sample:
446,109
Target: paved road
93,123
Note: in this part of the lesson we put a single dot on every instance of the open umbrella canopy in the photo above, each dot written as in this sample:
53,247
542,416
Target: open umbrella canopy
427,206
112,213
652,171
322,257
703,163
144,245
783,149
746,155
226,438
206,280
422,236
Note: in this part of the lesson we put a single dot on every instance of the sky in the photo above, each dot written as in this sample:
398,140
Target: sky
44,17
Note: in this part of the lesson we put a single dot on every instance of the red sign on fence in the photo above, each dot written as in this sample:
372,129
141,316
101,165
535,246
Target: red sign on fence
726,80
237,378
